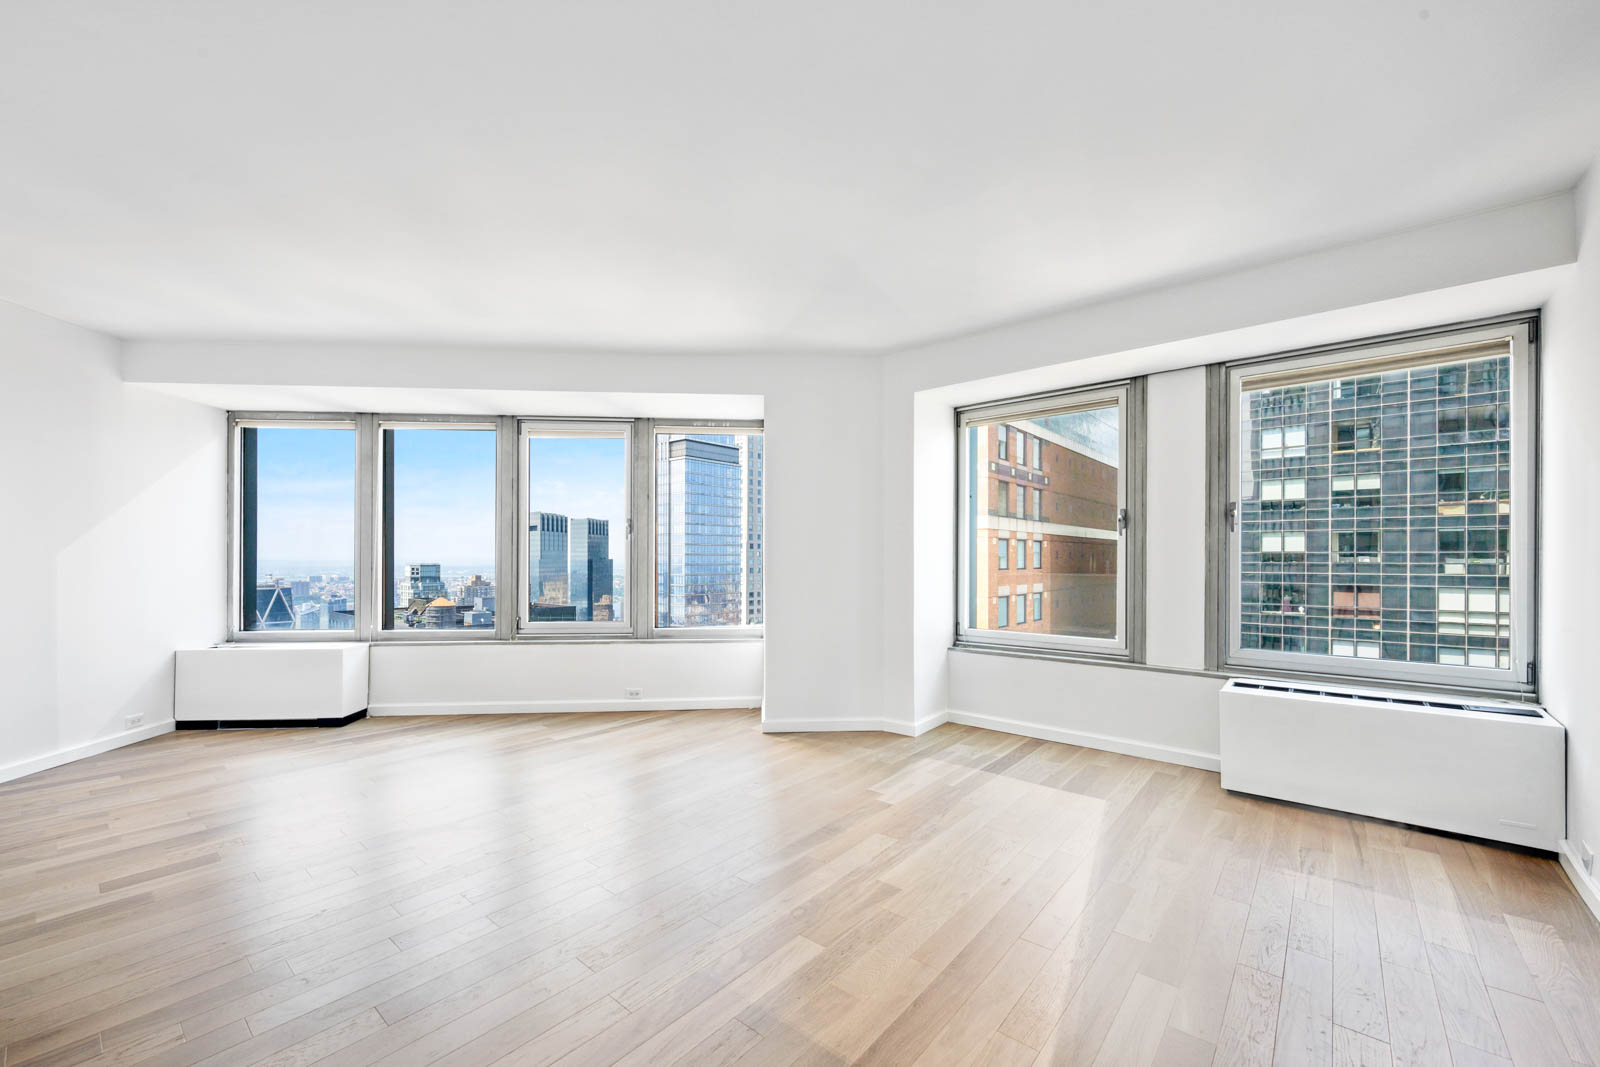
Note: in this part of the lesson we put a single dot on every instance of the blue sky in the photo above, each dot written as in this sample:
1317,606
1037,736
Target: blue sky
444,493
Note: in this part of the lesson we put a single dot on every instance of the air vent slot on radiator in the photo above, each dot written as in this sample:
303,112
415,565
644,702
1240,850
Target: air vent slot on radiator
1495,771
1525,710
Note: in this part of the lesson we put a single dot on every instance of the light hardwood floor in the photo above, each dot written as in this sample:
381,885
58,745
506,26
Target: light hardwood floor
657,888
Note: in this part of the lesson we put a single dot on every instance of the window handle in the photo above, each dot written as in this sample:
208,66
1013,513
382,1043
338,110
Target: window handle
1233,515
1122,520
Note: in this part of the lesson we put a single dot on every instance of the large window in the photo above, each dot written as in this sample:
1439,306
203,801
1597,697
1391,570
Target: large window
574,525
435,527
296,531
709,502
1381,510
438,527
1076,471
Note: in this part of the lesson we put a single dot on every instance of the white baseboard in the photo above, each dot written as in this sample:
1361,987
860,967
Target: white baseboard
22,768
829,726
549,707
1205,761
1586,884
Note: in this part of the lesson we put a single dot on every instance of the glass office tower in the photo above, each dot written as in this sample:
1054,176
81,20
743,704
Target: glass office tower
700,531
1375,516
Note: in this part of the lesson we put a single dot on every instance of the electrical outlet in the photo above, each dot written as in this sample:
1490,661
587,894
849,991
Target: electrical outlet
633,694
135,720
1588,857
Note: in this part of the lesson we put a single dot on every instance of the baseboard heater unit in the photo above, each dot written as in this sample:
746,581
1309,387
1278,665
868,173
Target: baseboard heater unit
1484,769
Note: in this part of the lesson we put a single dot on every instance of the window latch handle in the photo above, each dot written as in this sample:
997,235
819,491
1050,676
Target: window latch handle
1233,515
1122,520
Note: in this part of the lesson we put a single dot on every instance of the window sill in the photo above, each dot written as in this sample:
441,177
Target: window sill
247,641
1308,677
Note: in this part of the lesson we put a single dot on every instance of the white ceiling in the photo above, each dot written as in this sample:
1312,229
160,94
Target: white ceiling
721,175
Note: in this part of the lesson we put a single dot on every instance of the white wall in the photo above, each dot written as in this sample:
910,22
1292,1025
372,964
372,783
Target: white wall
491,678
1570,525
113,538
824,486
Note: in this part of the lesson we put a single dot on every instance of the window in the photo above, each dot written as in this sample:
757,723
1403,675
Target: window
1355,435
1038,463
438,527
1357,546
1004,552
572,524
1398,545
709,500
1083,440
1002,435
296,531
376,527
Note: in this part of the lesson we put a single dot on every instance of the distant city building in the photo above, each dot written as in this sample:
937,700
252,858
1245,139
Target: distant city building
753,446
700,532
478,592
308,616
442,614
274,607
423,581
547,558
589,568
339,616
300,589
553,613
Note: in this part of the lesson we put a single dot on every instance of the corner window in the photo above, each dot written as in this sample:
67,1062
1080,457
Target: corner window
296,528
1075,516
1398,543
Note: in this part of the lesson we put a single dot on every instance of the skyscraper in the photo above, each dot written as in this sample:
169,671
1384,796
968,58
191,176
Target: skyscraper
274,607
700,532
753,448
547,559
1375,516
589,569
424,582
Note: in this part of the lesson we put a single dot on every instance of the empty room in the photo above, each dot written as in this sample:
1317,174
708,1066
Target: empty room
800,533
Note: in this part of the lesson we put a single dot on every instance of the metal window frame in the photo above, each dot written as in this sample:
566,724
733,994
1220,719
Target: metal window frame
1224,539
651,430
240,420
511,535
380,549
625,430
1128,646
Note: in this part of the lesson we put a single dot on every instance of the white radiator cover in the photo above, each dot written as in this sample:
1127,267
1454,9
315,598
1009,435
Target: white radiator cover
1480,773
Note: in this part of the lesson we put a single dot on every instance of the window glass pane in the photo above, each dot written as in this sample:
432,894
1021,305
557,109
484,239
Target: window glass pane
297,488
577,558
1397,546
439,524
709,512
1073,526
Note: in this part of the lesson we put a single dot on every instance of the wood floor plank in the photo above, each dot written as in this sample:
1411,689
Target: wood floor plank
678,887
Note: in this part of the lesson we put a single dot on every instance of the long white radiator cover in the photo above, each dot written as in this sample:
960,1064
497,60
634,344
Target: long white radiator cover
1501,777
